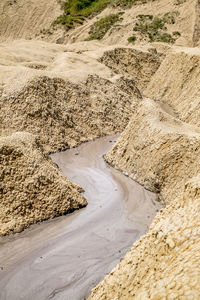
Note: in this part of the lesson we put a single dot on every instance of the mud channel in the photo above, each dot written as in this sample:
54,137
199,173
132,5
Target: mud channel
64,258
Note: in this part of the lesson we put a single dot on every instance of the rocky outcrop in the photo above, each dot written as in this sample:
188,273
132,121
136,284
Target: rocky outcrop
32,189
161,152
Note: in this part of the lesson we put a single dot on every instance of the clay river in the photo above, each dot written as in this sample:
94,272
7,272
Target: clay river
64,258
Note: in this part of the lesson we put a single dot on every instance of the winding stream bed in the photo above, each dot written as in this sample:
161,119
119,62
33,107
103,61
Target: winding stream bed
65,257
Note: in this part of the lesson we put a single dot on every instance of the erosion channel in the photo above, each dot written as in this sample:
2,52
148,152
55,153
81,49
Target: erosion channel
65,257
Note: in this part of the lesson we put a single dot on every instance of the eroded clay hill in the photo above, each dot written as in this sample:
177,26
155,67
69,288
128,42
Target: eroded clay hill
32,189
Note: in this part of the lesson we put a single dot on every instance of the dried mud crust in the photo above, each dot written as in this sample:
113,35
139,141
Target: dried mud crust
138,65
64,114
32,189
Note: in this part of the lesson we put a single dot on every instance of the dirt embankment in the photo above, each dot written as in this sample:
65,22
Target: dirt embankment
170,148
81,92
160,149
160,152
32,188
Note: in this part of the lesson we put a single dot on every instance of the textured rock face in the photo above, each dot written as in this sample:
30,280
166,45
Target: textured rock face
161,152
157,150
64,114
32,189
138,65
177,83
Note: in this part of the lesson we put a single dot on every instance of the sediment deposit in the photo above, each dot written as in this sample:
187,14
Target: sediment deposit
42,93
25,19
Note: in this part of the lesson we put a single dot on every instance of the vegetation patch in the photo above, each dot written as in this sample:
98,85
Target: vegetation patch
101,27
179,2
128,3
76,11
132,39
154,28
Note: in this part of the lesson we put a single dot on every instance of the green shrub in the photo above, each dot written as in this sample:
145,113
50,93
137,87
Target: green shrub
176,33
132,39
144,17
101,27
154,28
165,38
170,17
76,11
127,3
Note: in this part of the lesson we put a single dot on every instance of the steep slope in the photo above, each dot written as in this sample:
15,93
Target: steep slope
67,94
185,22
170,148
24,19
33,19
64,114
32,188
180,89
161,153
